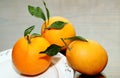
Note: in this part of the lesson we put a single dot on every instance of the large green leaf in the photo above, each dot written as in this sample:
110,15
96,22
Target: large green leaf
52,50
57,25
37,12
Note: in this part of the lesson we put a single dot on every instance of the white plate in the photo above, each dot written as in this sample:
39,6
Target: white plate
59,69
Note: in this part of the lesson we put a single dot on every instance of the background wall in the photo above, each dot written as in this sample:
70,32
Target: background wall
94,19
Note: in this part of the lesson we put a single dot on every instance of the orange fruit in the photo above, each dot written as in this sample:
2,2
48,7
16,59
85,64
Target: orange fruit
54,35
88,58
26,57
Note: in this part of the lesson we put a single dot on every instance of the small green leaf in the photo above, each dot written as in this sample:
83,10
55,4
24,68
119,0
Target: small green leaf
57,25
47,10
52,50
76,38
37,12
28,30
35,35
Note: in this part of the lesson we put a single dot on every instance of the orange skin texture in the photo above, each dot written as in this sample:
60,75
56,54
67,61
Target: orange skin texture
89,58
54,35
26,57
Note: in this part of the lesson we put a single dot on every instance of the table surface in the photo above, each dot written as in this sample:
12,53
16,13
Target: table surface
94,19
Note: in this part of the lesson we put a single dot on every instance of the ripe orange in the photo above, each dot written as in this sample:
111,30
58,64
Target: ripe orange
89,58
26,57
54,35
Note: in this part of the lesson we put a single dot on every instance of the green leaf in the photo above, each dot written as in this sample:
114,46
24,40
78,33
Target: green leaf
31,9
28,30
57,25
47,10
76,38
52,50
37,12
35,35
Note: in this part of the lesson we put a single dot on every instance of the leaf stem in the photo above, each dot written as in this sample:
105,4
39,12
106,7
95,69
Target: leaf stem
65,44
28,39
45,24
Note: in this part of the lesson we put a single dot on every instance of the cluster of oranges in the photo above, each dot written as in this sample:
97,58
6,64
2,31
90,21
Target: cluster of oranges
87,57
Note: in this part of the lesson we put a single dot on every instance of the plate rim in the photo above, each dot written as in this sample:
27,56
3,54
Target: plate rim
63,61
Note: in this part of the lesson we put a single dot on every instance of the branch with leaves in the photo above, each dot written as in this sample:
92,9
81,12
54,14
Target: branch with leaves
38,12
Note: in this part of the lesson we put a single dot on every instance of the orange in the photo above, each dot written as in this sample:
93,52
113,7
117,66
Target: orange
89,58
54,35
26,57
